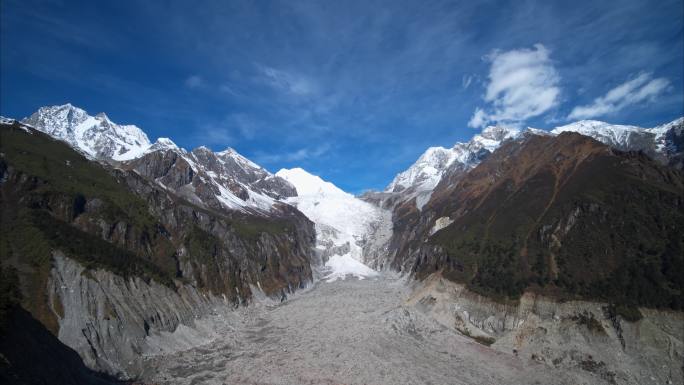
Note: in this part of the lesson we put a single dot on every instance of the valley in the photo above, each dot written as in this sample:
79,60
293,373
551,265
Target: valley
387,330
346,332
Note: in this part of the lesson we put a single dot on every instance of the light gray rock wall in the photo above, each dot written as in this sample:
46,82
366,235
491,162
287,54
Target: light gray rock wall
113,322
573,335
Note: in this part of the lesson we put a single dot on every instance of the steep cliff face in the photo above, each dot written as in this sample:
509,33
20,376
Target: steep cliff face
114,322
595,338
223,181
108,259
227,252
565,215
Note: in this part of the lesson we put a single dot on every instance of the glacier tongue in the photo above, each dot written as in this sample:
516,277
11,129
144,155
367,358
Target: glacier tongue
343,223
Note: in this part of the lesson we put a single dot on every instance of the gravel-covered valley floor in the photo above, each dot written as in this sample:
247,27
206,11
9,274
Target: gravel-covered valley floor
344,332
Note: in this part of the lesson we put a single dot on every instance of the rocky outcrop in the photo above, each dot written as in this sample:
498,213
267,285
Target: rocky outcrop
232,168
575,335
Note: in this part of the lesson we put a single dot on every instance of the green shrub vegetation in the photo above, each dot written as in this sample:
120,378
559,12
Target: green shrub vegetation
56,183
628,313
625,246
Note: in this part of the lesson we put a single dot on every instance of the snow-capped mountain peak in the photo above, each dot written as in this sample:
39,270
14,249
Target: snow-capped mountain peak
97,136
222,179
231,153
427,171
310,185
663,128
622,137
166,142
491,136
662,142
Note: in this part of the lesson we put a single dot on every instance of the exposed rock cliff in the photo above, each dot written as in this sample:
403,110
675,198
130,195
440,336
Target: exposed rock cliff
575,335
113,322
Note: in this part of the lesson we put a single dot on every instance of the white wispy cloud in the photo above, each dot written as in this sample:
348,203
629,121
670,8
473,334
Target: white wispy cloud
293,156
466,81
216,135
642,88
287,82
523,83
247,125
194,81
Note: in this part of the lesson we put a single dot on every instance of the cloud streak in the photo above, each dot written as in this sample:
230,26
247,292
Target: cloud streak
523,83
642,88
287,82
299,155
194,81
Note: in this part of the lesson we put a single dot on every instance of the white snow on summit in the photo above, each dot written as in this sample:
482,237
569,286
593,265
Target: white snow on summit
245,163
311,185
424,175
654,141
622,137
660,132
96,136
227,177
427,171
341,219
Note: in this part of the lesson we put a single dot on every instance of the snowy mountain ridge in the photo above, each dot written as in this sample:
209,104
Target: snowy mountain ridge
226,177
621,137
96,136
428,170
345,225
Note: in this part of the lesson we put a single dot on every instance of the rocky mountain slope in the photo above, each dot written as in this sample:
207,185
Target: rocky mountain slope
116,264
592,341
562,214
225,179
557,248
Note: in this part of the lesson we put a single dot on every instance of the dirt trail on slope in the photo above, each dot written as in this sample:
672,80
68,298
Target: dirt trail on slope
345,332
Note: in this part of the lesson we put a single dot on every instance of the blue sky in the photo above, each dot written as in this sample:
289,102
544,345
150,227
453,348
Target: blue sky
353,91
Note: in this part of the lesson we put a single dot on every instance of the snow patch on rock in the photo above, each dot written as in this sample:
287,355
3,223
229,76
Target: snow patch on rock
441,223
